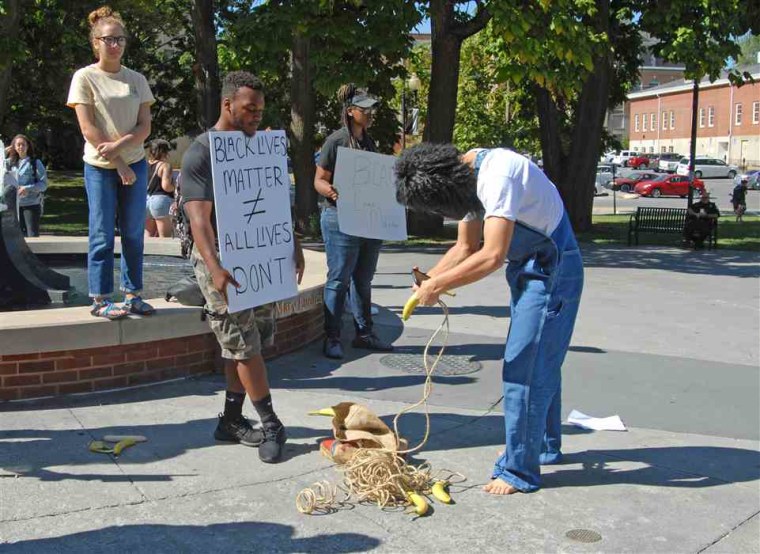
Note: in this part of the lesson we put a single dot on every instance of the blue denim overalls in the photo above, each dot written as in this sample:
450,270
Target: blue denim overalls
545,277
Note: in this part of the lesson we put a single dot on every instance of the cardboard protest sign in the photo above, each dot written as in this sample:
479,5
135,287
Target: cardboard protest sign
367,205
252,202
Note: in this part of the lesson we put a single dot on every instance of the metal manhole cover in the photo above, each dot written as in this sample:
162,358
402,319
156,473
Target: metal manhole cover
448,365
583,535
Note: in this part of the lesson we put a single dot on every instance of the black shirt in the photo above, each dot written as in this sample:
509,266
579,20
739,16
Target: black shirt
329,154
197,182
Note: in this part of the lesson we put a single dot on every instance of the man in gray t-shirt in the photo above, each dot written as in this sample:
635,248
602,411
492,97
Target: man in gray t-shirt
237,333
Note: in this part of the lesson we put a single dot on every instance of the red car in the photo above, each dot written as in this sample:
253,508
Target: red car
627,184
667,185
639,162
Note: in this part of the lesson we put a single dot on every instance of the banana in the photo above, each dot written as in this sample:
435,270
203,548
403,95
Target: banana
409,307
439,491
419,502
121,445
329,412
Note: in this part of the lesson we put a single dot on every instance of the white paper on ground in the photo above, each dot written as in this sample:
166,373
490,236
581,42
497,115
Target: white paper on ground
612,423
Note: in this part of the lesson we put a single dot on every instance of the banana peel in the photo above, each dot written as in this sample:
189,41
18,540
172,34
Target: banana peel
411,304
101,447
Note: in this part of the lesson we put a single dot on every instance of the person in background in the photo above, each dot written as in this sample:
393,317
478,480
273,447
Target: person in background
112,105
158,220
739,199
351,261
701,219
31,178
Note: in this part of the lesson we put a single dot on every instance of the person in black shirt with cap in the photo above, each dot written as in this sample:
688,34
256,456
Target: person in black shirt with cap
351,260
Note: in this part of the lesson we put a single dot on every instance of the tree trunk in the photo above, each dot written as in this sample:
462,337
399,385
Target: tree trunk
206,68
444,82
9,30
302,133
693,145
574,172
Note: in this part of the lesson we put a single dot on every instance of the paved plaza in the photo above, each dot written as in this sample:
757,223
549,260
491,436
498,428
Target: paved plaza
666,338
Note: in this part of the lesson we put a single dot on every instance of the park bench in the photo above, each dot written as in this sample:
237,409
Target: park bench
669,221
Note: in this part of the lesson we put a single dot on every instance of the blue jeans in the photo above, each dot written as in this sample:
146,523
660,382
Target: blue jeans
106,197
545,277
351,263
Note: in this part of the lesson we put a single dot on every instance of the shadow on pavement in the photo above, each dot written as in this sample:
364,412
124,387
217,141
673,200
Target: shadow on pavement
673,466
714,262
32,452
218,537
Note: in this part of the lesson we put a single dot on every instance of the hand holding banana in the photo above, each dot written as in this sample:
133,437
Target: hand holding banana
424,293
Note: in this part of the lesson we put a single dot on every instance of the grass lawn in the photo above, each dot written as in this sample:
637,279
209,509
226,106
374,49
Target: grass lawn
66,214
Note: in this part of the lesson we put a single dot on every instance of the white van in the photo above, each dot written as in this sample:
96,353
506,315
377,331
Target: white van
623,157
707,168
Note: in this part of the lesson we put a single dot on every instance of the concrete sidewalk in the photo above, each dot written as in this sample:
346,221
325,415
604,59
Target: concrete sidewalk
667,341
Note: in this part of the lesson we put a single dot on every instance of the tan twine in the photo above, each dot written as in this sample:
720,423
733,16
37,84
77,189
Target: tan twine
378,475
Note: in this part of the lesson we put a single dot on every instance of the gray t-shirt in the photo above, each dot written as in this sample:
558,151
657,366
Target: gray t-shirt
197,183
329,154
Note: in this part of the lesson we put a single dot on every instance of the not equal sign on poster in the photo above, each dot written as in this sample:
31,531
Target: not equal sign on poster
367,205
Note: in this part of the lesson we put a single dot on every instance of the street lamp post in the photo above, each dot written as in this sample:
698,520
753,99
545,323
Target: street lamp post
414,85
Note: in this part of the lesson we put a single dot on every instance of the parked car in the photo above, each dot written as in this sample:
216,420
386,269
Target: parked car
623,157
669,161
603,179
628,182
641,161
607,157
668,185
707,167
753,179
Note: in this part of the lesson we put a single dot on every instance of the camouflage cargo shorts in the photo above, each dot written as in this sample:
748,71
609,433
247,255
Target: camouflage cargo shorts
240,335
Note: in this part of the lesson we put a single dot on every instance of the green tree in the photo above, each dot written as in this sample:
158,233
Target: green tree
564,50
319,45
491,112
700,35
160,34
750,46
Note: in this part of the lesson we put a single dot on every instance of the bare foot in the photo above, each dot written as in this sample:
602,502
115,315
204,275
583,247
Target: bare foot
497,486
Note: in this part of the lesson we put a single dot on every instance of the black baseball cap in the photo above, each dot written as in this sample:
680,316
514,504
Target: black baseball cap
362,100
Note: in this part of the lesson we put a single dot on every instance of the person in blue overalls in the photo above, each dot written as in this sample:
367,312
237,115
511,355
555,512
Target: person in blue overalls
506,200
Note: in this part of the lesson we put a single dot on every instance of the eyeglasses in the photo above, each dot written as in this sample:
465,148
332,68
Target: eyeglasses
366,111
113,41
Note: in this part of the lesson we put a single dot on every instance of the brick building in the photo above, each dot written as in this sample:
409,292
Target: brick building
728,126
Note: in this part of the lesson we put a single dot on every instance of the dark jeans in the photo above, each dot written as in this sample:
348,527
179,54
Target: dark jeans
351,263
29,219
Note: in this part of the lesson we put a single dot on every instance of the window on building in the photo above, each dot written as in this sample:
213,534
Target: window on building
701,117
644,122
670,149
664,121
755,113
663,149
738,112
711,116
672,119
653,121
636,122
651,149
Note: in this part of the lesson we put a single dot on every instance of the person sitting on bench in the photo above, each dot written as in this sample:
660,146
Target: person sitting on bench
700,219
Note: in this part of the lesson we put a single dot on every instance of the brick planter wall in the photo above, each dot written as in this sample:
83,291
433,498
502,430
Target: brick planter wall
109,367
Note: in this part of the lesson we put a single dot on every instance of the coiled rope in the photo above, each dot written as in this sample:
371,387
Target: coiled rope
378,475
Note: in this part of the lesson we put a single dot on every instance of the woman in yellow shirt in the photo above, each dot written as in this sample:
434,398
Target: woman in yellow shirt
112,104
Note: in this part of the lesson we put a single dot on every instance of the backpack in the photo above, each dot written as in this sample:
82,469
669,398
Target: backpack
180,221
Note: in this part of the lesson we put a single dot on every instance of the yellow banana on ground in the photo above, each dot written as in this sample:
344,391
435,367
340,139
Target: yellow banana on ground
419,503
439,491
329,412
99,447
409,307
